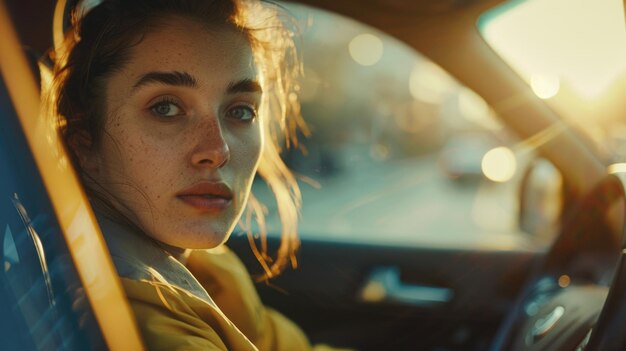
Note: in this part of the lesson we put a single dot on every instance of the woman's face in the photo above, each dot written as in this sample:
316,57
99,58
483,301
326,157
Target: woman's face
182,140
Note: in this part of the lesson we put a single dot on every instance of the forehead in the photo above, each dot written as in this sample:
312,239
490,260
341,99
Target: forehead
180,44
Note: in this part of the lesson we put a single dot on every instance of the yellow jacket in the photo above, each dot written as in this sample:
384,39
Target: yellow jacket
210,303
171,318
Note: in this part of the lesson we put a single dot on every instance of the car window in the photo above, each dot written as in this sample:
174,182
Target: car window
42,300
399,151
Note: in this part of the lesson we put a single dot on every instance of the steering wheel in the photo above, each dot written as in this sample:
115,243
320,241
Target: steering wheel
576,296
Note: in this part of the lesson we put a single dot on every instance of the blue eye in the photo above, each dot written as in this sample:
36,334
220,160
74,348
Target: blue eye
167,109
244,113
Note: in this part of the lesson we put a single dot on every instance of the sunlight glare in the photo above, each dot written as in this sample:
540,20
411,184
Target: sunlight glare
581,41
617,168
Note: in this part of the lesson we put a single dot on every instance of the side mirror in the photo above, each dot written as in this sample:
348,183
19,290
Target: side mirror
541,199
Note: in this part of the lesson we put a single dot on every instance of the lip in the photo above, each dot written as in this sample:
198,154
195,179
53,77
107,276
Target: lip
207,196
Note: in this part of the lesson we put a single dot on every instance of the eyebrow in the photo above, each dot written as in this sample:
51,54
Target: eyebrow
175,78
244,86
185,79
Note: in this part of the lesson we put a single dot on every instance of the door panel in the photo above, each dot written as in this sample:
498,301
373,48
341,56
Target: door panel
331,294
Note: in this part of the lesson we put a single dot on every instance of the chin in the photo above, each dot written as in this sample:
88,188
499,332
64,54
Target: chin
194,242
195,233
210,243
203,238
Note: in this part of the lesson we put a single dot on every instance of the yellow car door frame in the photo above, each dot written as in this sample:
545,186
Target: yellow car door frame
73,212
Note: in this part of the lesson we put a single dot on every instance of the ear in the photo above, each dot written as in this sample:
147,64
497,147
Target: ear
80,143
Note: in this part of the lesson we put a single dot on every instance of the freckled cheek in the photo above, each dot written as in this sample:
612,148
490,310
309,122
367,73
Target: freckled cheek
150,164
249,152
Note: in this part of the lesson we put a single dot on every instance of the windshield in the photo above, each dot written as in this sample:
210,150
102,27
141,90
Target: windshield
573,55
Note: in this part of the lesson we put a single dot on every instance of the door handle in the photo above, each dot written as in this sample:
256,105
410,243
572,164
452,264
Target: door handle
384,285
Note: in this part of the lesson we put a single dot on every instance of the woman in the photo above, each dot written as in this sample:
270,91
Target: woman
169,108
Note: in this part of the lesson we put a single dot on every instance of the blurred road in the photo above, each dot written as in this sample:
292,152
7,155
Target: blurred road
407,202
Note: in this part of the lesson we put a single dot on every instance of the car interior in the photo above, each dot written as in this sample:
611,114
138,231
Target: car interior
408,242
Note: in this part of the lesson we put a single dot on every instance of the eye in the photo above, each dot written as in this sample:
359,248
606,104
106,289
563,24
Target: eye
243,113
166,109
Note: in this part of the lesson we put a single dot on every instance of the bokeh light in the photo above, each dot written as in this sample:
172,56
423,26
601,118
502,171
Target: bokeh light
545,86
429,83
564,281
366,49
499,164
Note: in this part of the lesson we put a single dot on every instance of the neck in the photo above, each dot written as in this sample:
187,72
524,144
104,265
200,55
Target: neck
104,208
177,252
138,256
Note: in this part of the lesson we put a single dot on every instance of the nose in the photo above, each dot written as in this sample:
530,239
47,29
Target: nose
211,149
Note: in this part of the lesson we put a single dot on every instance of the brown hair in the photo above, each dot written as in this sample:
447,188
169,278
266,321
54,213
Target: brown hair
99,44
